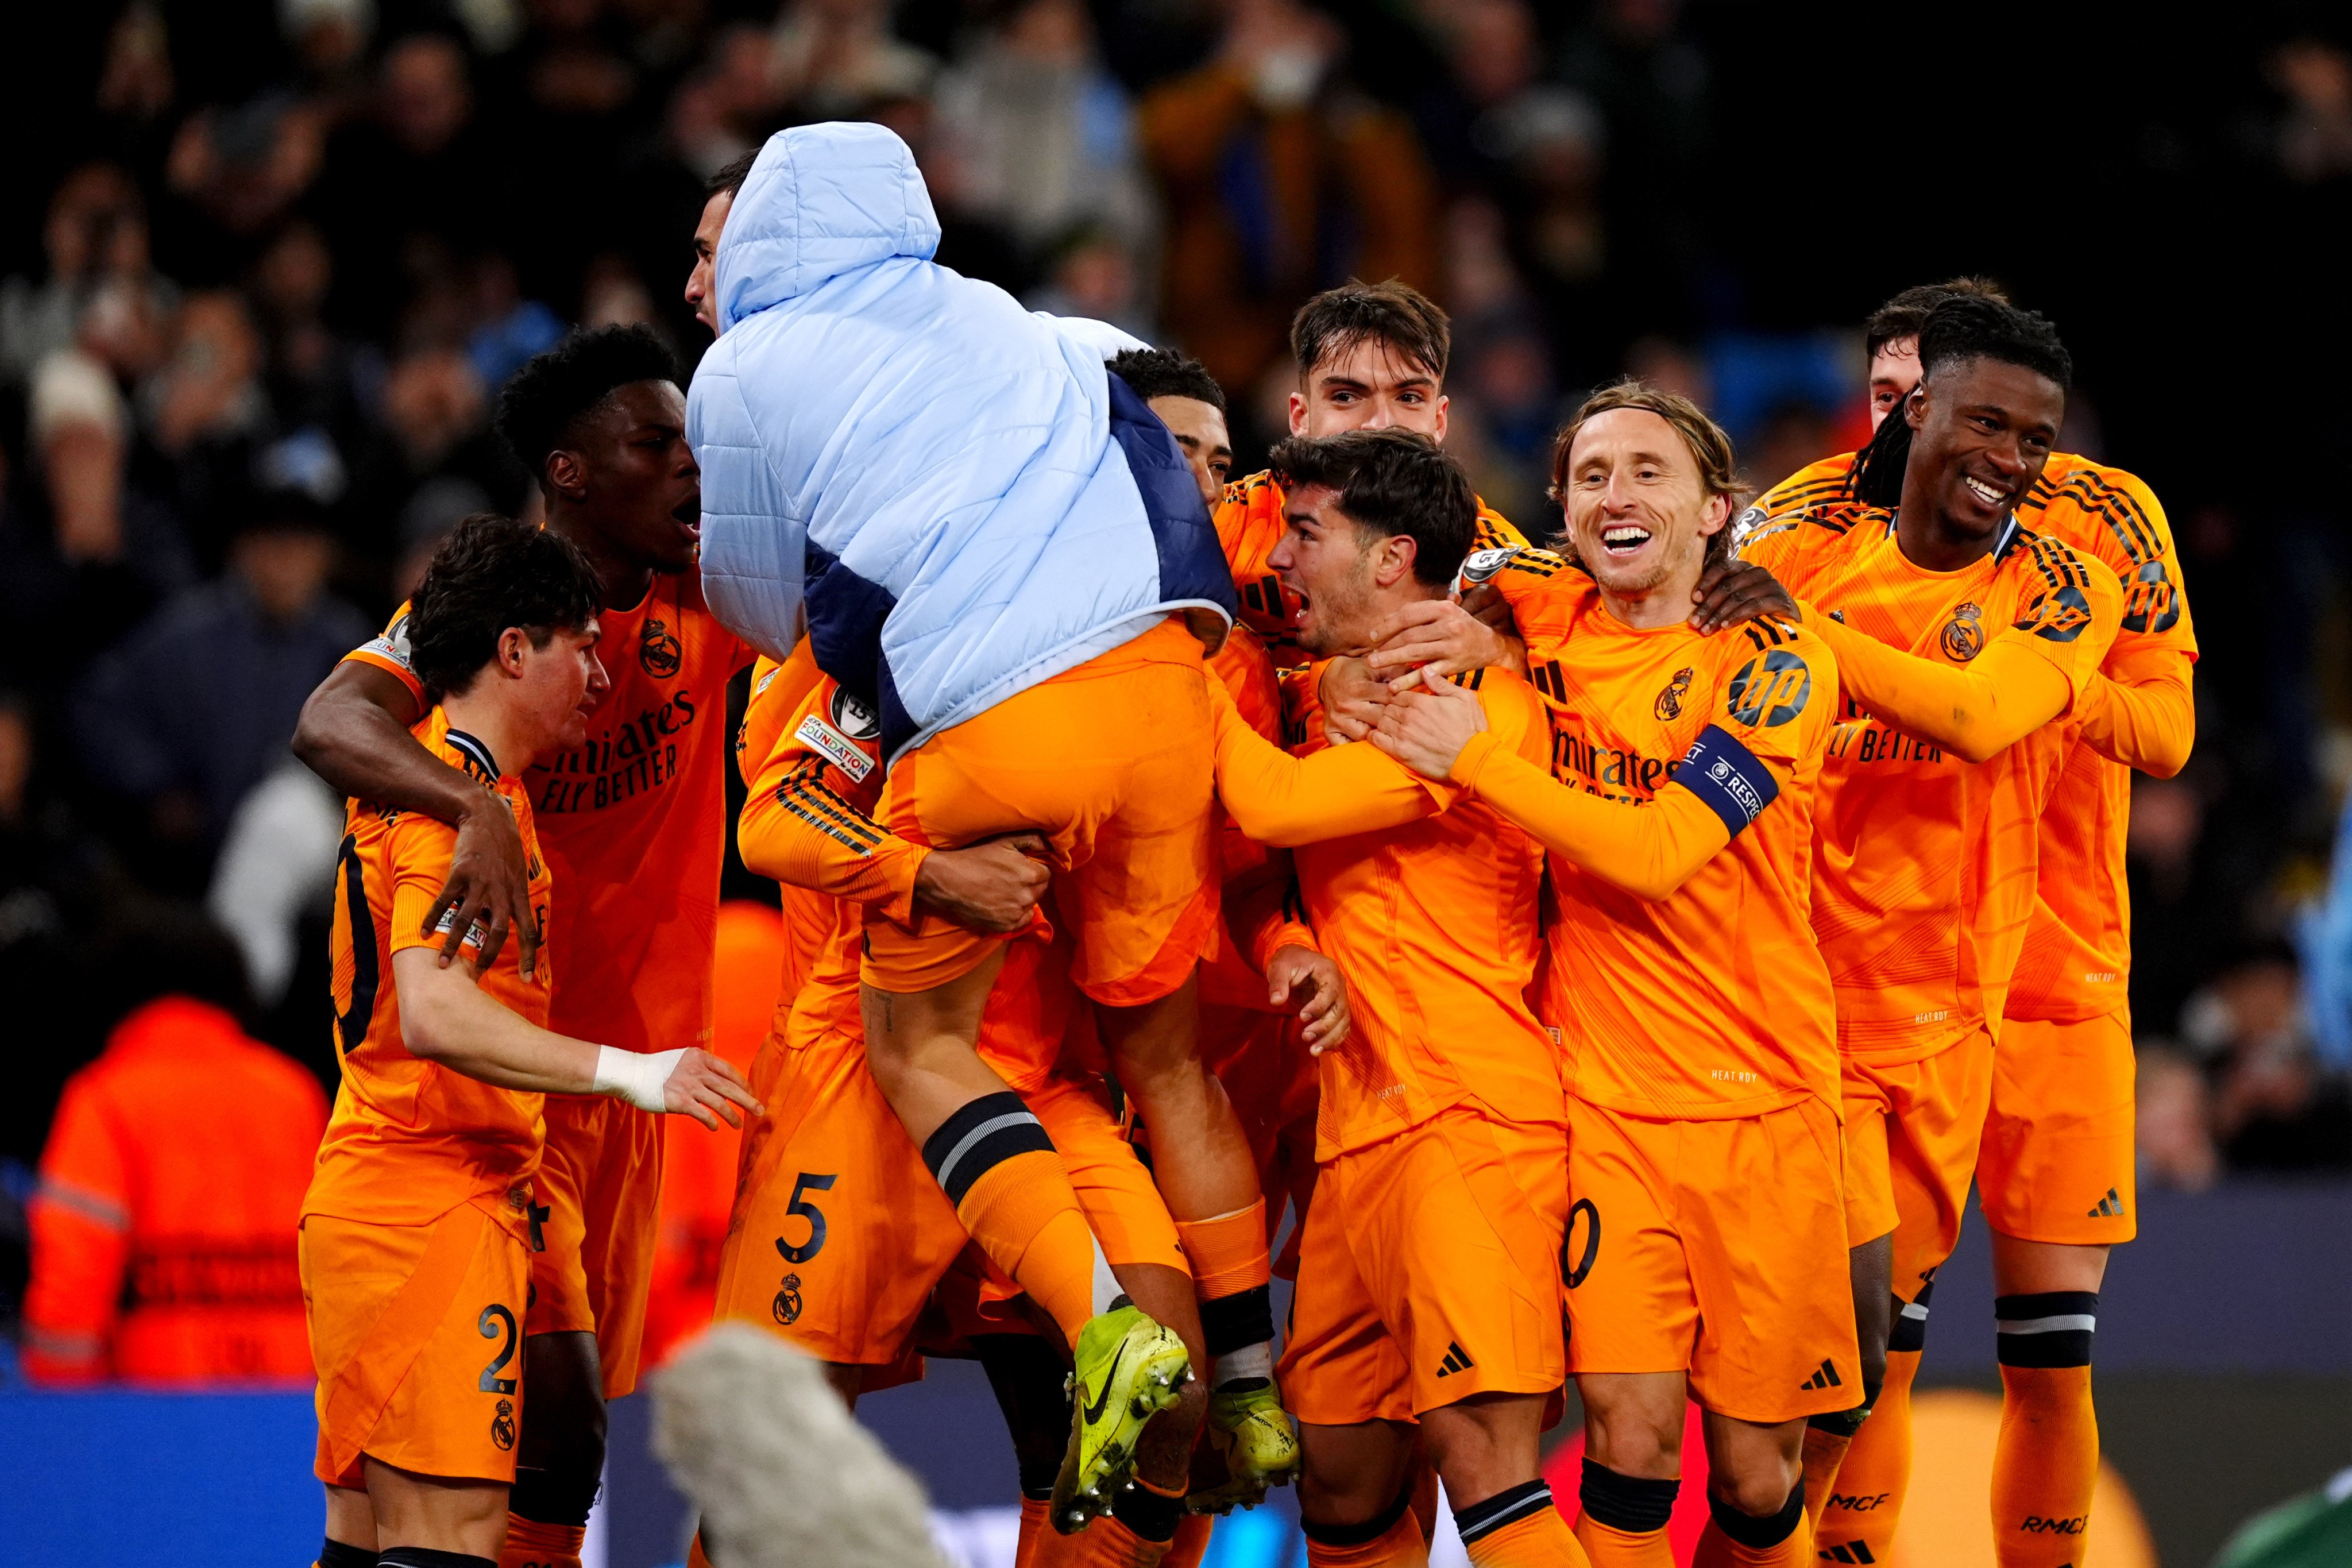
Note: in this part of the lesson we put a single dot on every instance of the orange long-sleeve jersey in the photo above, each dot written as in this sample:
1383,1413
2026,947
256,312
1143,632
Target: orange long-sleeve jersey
164,1251
633,820
2140,713
1427,901
1925,865
1684,977
411,1138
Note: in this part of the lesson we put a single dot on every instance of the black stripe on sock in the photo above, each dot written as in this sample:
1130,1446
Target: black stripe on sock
1909,1330
970,1158
2055,1346
426,1557
1626,1503
1152,1516
1759,1535
552,1496
1840,1423
1372,1528
336,1554
1231,1323
1508,1506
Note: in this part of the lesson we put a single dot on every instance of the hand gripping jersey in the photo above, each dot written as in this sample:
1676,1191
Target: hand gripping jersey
1924,865
633,821
1714,1001
410,1139
2077,955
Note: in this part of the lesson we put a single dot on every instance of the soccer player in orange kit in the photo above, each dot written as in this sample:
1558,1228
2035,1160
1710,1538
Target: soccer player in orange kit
1429,1286
2055,1169
420,1224
1962,637
633,824
1695,1009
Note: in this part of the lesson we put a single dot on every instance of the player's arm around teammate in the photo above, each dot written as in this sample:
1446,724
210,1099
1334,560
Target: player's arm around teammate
422,1190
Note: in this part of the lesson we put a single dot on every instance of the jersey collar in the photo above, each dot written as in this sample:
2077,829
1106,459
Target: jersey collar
473,752
2011,530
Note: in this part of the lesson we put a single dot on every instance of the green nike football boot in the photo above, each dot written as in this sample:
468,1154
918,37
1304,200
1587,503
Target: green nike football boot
1257,1440
1127,1369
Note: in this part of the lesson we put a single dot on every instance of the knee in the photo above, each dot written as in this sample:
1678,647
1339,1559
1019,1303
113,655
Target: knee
1632,1444
1343,1498
1758,1490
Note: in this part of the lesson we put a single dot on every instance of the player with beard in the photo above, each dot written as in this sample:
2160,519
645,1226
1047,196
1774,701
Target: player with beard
632,821
1962,640
2055,1173
1685,984
1429,1290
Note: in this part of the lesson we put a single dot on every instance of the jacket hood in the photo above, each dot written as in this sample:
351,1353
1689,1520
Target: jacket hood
821,201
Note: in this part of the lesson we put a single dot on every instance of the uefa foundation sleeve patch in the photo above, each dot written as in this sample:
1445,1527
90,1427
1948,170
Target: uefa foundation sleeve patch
1734,785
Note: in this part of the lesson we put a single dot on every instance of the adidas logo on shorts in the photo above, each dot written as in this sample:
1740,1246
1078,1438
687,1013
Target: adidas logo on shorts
2110,1207
1456,1360
1852,1551
1825,1378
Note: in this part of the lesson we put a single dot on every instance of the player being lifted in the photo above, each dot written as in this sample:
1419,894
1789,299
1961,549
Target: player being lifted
1961,636
2055,1168
1428,1288
632,821
1708,1230
419,1227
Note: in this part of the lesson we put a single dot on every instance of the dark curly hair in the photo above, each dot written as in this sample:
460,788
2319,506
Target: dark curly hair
1392,482
1164,373
490,573
553,390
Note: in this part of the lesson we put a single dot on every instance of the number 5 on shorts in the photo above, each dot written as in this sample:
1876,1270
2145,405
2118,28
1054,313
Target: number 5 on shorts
809,1212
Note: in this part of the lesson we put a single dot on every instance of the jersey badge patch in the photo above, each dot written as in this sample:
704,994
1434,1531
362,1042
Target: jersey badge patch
658,653
834,747
1964,634
1669,704
1771,690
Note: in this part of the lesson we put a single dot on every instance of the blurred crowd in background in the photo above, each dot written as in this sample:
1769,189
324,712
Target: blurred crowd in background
266,264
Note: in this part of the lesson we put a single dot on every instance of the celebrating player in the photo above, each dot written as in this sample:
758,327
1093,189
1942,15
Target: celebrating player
1960,636
1428,1288
633,823
1708,1231
2055,1170
419,1227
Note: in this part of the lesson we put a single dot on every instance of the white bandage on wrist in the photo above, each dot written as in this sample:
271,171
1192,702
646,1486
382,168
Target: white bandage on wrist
626,1075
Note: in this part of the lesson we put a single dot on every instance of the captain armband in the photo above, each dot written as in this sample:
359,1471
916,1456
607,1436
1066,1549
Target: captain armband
1733,782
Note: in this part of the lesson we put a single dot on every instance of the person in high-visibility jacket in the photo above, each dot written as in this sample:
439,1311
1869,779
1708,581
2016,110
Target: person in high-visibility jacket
171,1188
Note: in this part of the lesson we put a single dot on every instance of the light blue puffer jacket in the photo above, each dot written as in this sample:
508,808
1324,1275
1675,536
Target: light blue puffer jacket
947,491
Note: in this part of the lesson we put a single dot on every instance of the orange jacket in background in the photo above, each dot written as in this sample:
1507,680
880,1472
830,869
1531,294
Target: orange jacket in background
170,1190
697,1164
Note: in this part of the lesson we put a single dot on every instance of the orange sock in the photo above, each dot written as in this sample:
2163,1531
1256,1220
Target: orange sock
1538,1539
1227,1253
1608,1548
1036,1523
1780,1541
533,1544
1401,1545
998,1167
2045,1466
1824,1453
1867,1502
1191,1542
1105,1542
695,1555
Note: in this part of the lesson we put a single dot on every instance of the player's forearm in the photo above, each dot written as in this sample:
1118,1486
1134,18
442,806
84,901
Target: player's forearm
1286,801
2144,718
363,752
1649,851
446,1018
1976,713
806,834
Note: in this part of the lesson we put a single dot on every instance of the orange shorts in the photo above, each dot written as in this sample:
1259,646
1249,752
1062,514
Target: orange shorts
600,1222
1430,1272
1911,1133
1112,762
841,1233
2058,1156
1715,1247
416,1333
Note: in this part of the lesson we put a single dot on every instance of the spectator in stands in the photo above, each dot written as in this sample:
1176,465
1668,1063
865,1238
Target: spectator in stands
96,242
163,1225
2273,1108
2174,1120
198,705
1278,180
83,556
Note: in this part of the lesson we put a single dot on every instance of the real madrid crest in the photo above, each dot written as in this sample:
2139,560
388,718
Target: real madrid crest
1964,634
658,651
502,1426
787,1304
1670,700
